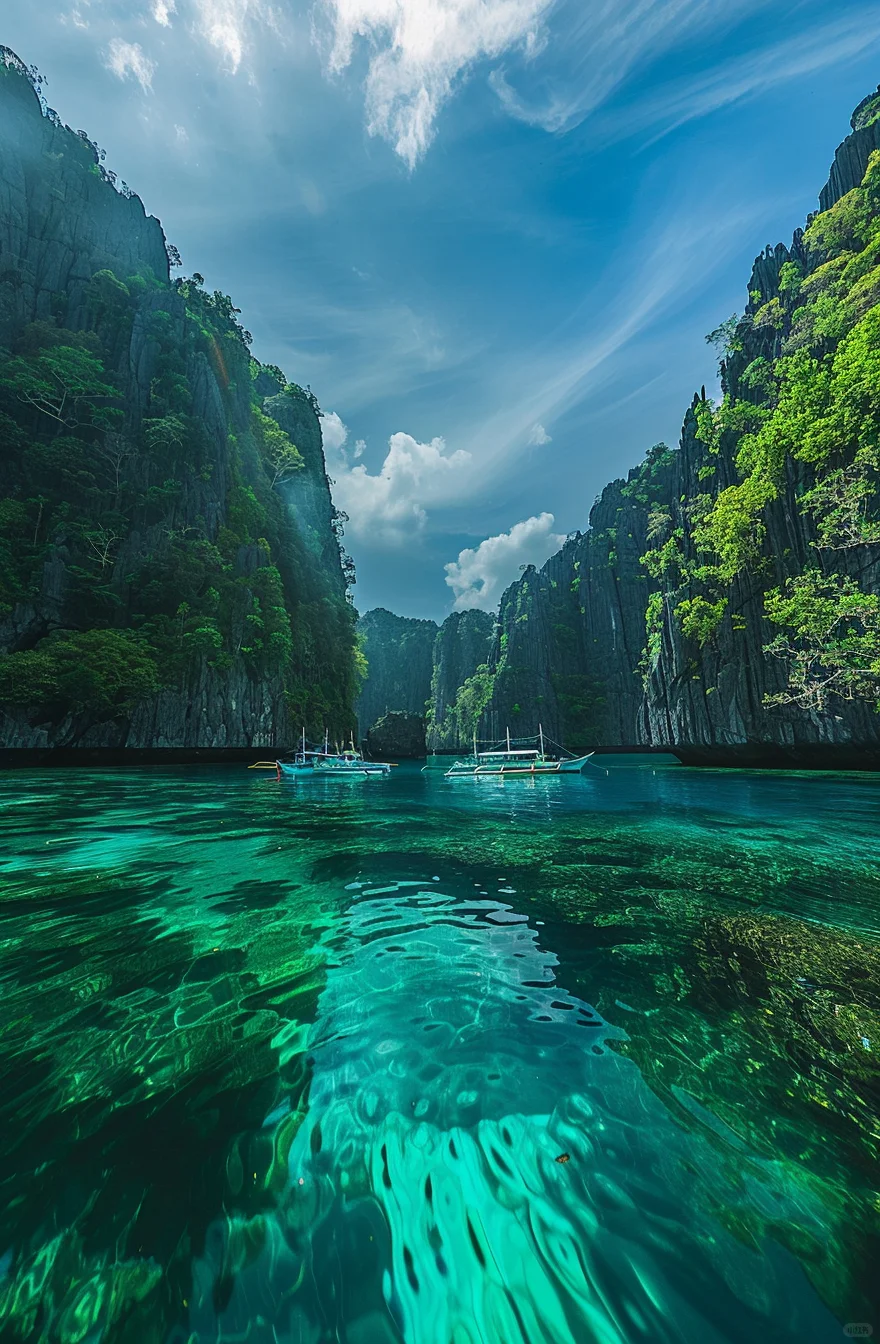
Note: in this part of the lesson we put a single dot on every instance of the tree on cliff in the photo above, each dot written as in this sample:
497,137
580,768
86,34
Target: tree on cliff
64,383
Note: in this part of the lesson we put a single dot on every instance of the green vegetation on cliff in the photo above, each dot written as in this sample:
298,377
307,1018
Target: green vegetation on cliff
159,526
800,413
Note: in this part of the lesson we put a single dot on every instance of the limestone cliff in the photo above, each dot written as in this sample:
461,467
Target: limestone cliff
726,597
170,565
462,646
398,651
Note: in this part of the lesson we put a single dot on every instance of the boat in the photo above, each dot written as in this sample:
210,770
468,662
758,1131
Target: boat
321,763
515,760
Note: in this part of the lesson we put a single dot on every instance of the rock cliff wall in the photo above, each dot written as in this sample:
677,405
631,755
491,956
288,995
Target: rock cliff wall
398,651
170,570
464,643
726,597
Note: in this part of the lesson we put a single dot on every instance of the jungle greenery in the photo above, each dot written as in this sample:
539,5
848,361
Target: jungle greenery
173,554
800,414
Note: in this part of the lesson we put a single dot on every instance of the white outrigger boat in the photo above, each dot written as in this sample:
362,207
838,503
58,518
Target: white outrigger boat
517,761
322,763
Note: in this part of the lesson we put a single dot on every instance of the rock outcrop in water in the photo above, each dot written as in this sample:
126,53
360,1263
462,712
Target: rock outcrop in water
170,566
726,597
396,736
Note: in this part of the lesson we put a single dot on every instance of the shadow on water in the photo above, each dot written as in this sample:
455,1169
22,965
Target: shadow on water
578,1060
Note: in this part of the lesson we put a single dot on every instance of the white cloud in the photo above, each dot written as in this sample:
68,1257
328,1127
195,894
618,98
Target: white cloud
391,506
360,448
335,435
225,24
478,577
162,11
129,58
419,49
539,436
599,46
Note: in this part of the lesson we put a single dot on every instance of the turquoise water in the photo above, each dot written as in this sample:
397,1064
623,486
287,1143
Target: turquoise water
440,1062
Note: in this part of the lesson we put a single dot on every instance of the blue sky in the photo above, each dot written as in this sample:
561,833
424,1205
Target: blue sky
491,234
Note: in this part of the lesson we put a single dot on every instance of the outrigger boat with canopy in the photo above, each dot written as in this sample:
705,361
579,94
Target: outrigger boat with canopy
310,762
515,760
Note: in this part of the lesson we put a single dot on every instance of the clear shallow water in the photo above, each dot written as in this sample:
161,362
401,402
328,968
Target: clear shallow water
447,1063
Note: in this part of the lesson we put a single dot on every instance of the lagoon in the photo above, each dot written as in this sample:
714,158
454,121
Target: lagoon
444,1062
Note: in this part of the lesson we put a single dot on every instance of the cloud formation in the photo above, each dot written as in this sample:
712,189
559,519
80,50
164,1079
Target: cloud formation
335,435
391,507
597,50
420,49
478,577
129,58
225,25
598,47
162,11
539,436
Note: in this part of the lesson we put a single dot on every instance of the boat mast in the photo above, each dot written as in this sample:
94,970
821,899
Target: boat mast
304,742
475,744
508,739
541,738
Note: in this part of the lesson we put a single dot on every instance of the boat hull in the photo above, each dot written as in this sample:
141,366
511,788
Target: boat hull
363,770
573,766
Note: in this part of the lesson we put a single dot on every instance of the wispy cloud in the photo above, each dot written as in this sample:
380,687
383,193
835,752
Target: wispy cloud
129,58
569,369
804,54
366,347
595,48
392,506
539,437
606,45
479,575
227,25
419,50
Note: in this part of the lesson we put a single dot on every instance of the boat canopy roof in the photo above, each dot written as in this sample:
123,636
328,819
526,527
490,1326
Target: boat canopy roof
495,755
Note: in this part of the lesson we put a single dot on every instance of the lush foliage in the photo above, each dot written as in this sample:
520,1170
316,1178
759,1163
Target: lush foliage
105,672
161,547
474,694
800,419
829,638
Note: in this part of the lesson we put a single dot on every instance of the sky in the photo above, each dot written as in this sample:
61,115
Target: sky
491,235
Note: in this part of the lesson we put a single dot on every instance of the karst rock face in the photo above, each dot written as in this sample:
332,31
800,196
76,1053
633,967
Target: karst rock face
196,526
418,668
652,627
398,650
593,647
396,736
463,644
